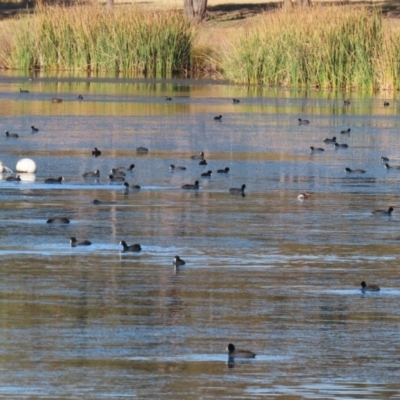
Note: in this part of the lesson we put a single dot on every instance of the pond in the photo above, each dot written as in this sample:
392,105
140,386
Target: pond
264,271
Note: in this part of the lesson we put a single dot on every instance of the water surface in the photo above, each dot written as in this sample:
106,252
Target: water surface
263,271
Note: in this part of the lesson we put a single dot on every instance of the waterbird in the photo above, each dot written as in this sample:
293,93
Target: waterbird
387,166
54,180
94,174
13,135
13,178
233,353
346,102
58,220
386,104
130,168
142,150
133,247
96,152
56,100
198,156
316,149
206,174
178,261
223,171
303,121
237,190
354,171
99,202
303,196
75,243
341,146
383,212
80,97
346,132
127,187
235,101
384,159
116,178
168,98
203,162
34,129
190,186
218,118
333,140
3,168
26,165
369,288
23,91
179,167
117,172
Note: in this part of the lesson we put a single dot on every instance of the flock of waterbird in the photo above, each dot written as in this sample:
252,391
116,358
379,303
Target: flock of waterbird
384,160
118,174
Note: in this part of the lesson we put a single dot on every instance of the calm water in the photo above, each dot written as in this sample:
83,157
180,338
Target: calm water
264,271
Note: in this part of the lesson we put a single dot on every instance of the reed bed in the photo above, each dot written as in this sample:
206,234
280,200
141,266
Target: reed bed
323,46
93,37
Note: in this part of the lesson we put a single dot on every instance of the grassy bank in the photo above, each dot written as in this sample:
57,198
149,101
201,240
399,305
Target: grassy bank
323,46
335,46
125,38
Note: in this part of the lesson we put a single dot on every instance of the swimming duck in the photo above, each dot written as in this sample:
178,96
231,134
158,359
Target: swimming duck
54,180
316,149
58,220
178,261
116,172
218,118
237,190
223,171
96,152
346,102
203,162
99,202
233,353
23,91
303,121
341,146
80,97
94,174
34,129
133,247
127,187
369,288
206,174
235,101
75,243
383,212
168,98
190,186
179,167
13,178
346,132
387,166
303,196
116,178
198,156
56,100
130,168
142,150
13,135
386,104
355,171
333,140
385,159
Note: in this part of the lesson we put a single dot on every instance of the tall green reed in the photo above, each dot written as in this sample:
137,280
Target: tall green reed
324,46
124,38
